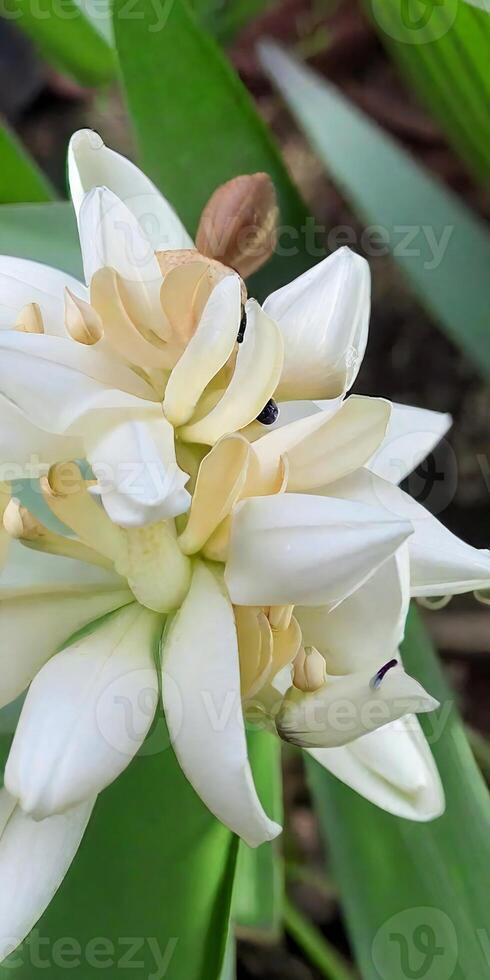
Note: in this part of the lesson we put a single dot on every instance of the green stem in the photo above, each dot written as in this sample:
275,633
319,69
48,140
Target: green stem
320,953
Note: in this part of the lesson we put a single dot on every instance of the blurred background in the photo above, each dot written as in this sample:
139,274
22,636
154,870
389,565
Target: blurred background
409,359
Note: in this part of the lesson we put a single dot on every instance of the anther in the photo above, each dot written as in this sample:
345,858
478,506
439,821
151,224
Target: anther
375,681
269,413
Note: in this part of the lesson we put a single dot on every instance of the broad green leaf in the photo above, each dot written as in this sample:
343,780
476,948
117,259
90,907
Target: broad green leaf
21,178
44,232
443,50
150,886
415,895
65,36
443,249
259,885
195,123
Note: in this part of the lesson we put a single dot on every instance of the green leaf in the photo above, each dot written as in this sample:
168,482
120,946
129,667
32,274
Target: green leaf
259,886
151,884
65,37
318,951
409,887
226,20
443,52
195,123
44,232
442,247
21,178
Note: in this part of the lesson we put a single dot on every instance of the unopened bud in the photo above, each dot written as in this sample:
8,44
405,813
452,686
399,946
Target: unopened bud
82,322
309,670
19,523
238,225
30,319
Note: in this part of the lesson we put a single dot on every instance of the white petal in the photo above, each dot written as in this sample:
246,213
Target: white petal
323,316
412,434
26,451
34,859
257,371
201,695
42,606
86,714
23,282
296,548
440,563
111,236
92,164
349,706
392,767
207,351
284,437
367,628
134,461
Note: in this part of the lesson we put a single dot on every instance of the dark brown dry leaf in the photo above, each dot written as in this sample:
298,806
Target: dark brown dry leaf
238,225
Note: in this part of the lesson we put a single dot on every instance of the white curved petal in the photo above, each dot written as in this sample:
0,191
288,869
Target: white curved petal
323,316
393,767
23,281
134,461
92,164
257,371
45,599
440,563
86,714
411,435
367,628
26,451
284,437
207,351
350,706
34,859
308,550
201,695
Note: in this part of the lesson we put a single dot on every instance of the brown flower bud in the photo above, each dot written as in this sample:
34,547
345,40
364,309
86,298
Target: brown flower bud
238,224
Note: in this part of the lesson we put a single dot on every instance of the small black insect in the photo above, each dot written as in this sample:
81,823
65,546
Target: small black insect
375,681
269,413
242,327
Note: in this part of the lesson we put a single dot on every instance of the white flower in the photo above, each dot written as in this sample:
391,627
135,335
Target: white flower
284,590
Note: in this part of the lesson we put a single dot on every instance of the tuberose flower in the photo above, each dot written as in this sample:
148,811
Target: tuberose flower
268,566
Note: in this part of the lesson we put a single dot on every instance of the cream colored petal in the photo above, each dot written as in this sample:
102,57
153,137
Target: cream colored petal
350,706
74,737
201,695
323,316
307,550
120,331
255,645
393,767
412,434
67,496
34,859
34,573
368,627
220,481
340,446
206,353
92,164
283,439
23,281
257,371
184,293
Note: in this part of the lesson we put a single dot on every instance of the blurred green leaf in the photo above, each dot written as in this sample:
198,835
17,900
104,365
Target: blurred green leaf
65,37
225,20
151,882
21,178
324,957
195,122
441,246
259,885
445,57
44,232
408,887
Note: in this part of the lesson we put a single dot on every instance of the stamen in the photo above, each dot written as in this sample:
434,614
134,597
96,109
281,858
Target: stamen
375,681
242,327
269,413
30,319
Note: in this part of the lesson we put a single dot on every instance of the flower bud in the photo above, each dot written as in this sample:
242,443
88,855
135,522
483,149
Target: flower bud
238,224
30,319
82,322
309,670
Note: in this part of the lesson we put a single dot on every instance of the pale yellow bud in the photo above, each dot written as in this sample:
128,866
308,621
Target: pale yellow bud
82,322
19,523
309,670
30,319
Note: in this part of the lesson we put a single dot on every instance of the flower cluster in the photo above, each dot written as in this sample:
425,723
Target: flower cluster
217,524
